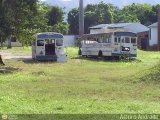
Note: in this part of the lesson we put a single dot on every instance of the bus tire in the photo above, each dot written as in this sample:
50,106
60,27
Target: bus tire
100,54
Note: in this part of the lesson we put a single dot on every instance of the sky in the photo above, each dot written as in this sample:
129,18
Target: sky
119,3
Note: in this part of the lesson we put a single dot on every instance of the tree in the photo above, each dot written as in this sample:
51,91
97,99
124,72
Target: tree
142,13
18,16
104,13
60,28
4,23
55,16
93,15
73,21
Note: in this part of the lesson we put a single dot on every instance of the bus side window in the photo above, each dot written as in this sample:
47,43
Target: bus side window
115,40
119,39
109,40
40,42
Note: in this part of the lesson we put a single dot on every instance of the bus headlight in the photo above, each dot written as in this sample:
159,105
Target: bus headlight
125,48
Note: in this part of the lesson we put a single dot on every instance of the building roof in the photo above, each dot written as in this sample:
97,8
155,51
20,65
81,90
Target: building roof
100,26
116,25
132,27
153,25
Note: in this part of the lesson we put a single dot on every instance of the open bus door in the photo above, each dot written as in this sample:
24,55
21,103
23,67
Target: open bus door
49,47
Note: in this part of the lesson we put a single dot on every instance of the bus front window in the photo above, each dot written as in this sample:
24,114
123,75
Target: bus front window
59,42
133,40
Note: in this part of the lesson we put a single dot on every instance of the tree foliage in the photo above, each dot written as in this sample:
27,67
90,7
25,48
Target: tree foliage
93,15
73,17
107,13
55,15
24,18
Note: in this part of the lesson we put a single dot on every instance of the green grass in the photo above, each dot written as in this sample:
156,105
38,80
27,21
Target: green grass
81,86
18,50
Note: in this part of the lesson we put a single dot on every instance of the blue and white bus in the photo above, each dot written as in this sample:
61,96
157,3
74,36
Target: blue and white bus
49,46
109,44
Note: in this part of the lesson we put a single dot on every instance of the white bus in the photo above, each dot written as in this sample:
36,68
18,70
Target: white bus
49,46
109,44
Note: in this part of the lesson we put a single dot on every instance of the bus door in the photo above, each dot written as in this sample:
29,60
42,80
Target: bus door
59,47
134,45
117,44
49,47
40,47
125,44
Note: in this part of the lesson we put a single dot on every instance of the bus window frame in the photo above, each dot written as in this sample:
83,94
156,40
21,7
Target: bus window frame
57,42
37,44
127,40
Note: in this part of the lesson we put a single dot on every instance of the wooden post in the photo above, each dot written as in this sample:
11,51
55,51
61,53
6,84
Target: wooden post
1,62
81,18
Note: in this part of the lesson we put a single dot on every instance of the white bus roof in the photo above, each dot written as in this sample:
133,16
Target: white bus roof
49,35
91,36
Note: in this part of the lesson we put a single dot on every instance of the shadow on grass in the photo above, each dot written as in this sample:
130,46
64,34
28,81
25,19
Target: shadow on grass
32,61
107,59
8,70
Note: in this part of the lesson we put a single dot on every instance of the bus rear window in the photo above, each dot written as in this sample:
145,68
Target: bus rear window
133,40
40,42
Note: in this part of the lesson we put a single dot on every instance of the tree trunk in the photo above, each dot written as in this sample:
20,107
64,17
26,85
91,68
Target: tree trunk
1,62
1,45
9,43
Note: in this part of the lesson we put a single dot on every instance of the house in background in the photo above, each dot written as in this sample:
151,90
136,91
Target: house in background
153,36
14,42
141,30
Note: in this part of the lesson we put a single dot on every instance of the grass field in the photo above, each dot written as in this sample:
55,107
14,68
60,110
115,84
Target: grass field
81,85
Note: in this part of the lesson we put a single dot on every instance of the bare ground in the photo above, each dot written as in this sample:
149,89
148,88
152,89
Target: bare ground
10,56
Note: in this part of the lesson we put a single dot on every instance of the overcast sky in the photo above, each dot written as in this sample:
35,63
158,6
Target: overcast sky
119,3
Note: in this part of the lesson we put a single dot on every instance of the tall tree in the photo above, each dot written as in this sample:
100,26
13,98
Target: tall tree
55,16
73,21
94,14
142,13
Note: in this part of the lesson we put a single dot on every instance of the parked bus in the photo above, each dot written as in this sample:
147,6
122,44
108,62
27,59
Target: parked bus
49,46
109,44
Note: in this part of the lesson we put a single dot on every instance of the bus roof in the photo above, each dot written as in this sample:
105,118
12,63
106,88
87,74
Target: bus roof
49,35
92,36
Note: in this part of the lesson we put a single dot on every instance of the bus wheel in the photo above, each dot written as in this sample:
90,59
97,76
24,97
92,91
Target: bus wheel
100,54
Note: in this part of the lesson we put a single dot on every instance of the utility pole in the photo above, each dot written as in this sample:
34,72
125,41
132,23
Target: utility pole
81,18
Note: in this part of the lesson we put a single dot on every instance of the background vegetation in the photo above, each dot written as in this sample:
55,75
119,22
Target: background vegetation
22,19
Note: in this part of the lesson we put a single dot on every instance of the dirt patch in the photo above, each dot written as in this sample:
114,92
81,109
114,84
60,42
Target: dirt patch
9,56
